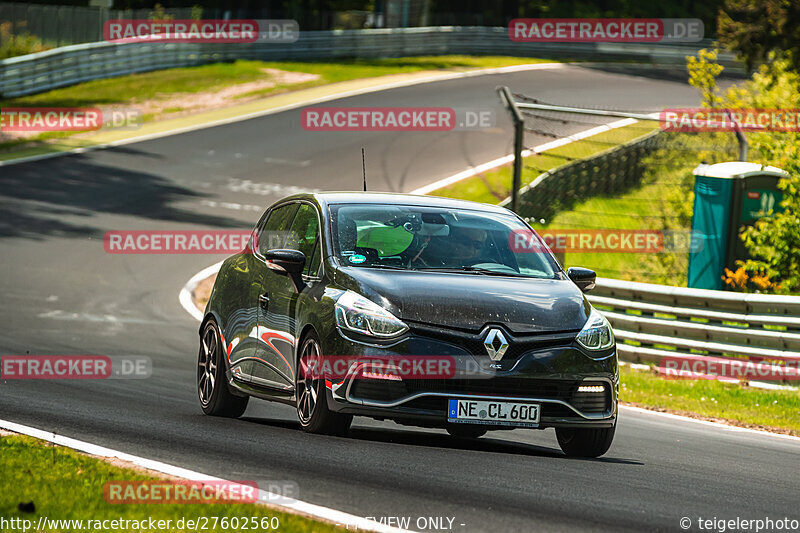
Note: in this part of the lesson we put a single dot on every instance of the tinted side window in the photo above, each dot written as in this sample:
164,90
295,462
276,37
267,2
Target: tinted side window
312,268
273,234
304,233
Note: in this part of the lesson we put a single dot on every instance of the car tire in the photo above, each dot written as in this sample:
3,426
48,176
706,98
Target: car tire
585,442
464,431
312,405
213,390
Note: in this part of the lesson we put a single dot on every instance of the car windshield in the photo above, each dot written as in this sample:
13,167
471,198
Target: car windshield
431,239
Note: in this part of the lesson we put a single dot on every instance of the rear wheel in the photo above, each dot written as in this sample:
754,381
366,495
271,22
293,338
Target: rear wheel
216,398
465,431
312,406
585,442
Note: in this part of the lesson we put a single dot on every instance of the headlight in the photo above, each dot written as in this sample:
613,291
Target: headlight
356,313
596,334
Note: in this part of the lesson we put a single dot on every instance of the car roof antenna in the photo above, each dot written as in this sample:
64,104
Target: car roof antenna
364,167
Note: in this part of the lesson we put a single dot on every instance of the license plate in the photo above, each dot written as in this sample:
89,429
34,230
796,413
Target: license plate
493,412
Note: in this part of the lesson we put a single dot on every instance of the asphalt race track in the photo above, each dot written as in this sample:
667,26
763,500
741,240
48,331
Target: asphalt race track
62,294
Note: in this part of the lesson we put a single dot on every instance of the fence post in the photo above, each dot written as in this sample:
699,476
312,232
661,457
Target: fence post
742,144
739,136
519,132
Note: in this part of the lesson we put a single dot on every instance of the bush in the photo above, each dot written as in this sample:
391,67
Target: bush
774,241
18,45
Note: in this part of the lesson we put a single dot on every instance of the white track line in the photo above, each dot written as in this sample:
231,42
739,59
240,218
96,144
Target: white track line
275,500
185,297
505,160
345,94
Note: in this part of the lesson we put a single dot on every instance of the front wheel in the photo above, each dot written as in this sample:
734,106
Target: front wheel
585,442
312,406
216,399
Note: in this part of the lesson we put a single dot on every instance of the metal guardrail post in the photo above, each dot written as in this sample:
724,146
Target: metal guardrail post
519,132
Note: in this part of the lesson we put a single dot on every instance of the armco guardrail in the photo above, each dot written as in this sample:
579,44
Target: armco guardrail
668,321
68,65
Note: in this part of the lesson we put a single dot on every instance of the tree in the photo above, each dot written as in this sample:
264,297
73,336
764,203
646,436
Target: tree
774,241
756,28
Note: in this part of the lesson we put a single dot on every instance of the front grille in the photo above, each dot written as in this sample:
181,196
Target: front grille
385,390
428,403
562,390
473,342
556,410
497,386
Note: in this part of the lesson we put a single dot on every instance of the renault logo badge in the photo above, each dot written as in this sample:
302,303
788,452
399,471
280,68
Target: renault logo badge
496,344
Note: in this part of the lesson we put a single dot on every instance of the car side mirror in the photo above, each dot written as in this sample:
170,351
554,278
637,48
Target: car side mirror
285,261
289,262
584,278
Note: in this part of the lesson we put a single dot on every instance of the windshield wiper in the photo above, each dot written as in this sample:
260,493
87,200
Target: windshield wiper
388,267
474,270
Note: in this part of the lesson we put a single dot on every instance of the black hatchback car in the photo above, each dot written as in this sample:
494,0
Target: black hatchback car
425,311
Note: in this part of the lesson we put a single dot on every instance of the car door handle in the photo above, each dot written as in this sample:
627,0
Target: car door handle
263,301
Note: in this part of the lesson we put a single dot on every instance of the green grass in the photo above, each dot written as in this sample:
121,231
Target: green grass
164,83
64,484
494,186
662,201
741,405
635,209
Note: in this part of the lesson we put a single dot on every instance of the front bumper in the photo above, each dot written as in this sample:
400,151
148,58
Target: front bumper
545,369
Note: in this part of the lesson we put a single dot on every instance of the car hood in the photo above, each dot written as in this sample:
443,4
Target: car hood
471,301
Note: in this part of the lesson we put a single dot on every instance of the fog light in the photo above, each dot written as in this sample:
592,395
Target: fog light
380,375
591,388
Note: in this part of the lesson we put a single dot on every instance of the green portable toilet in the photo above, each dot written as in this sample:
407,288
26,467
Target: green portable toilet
727,196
